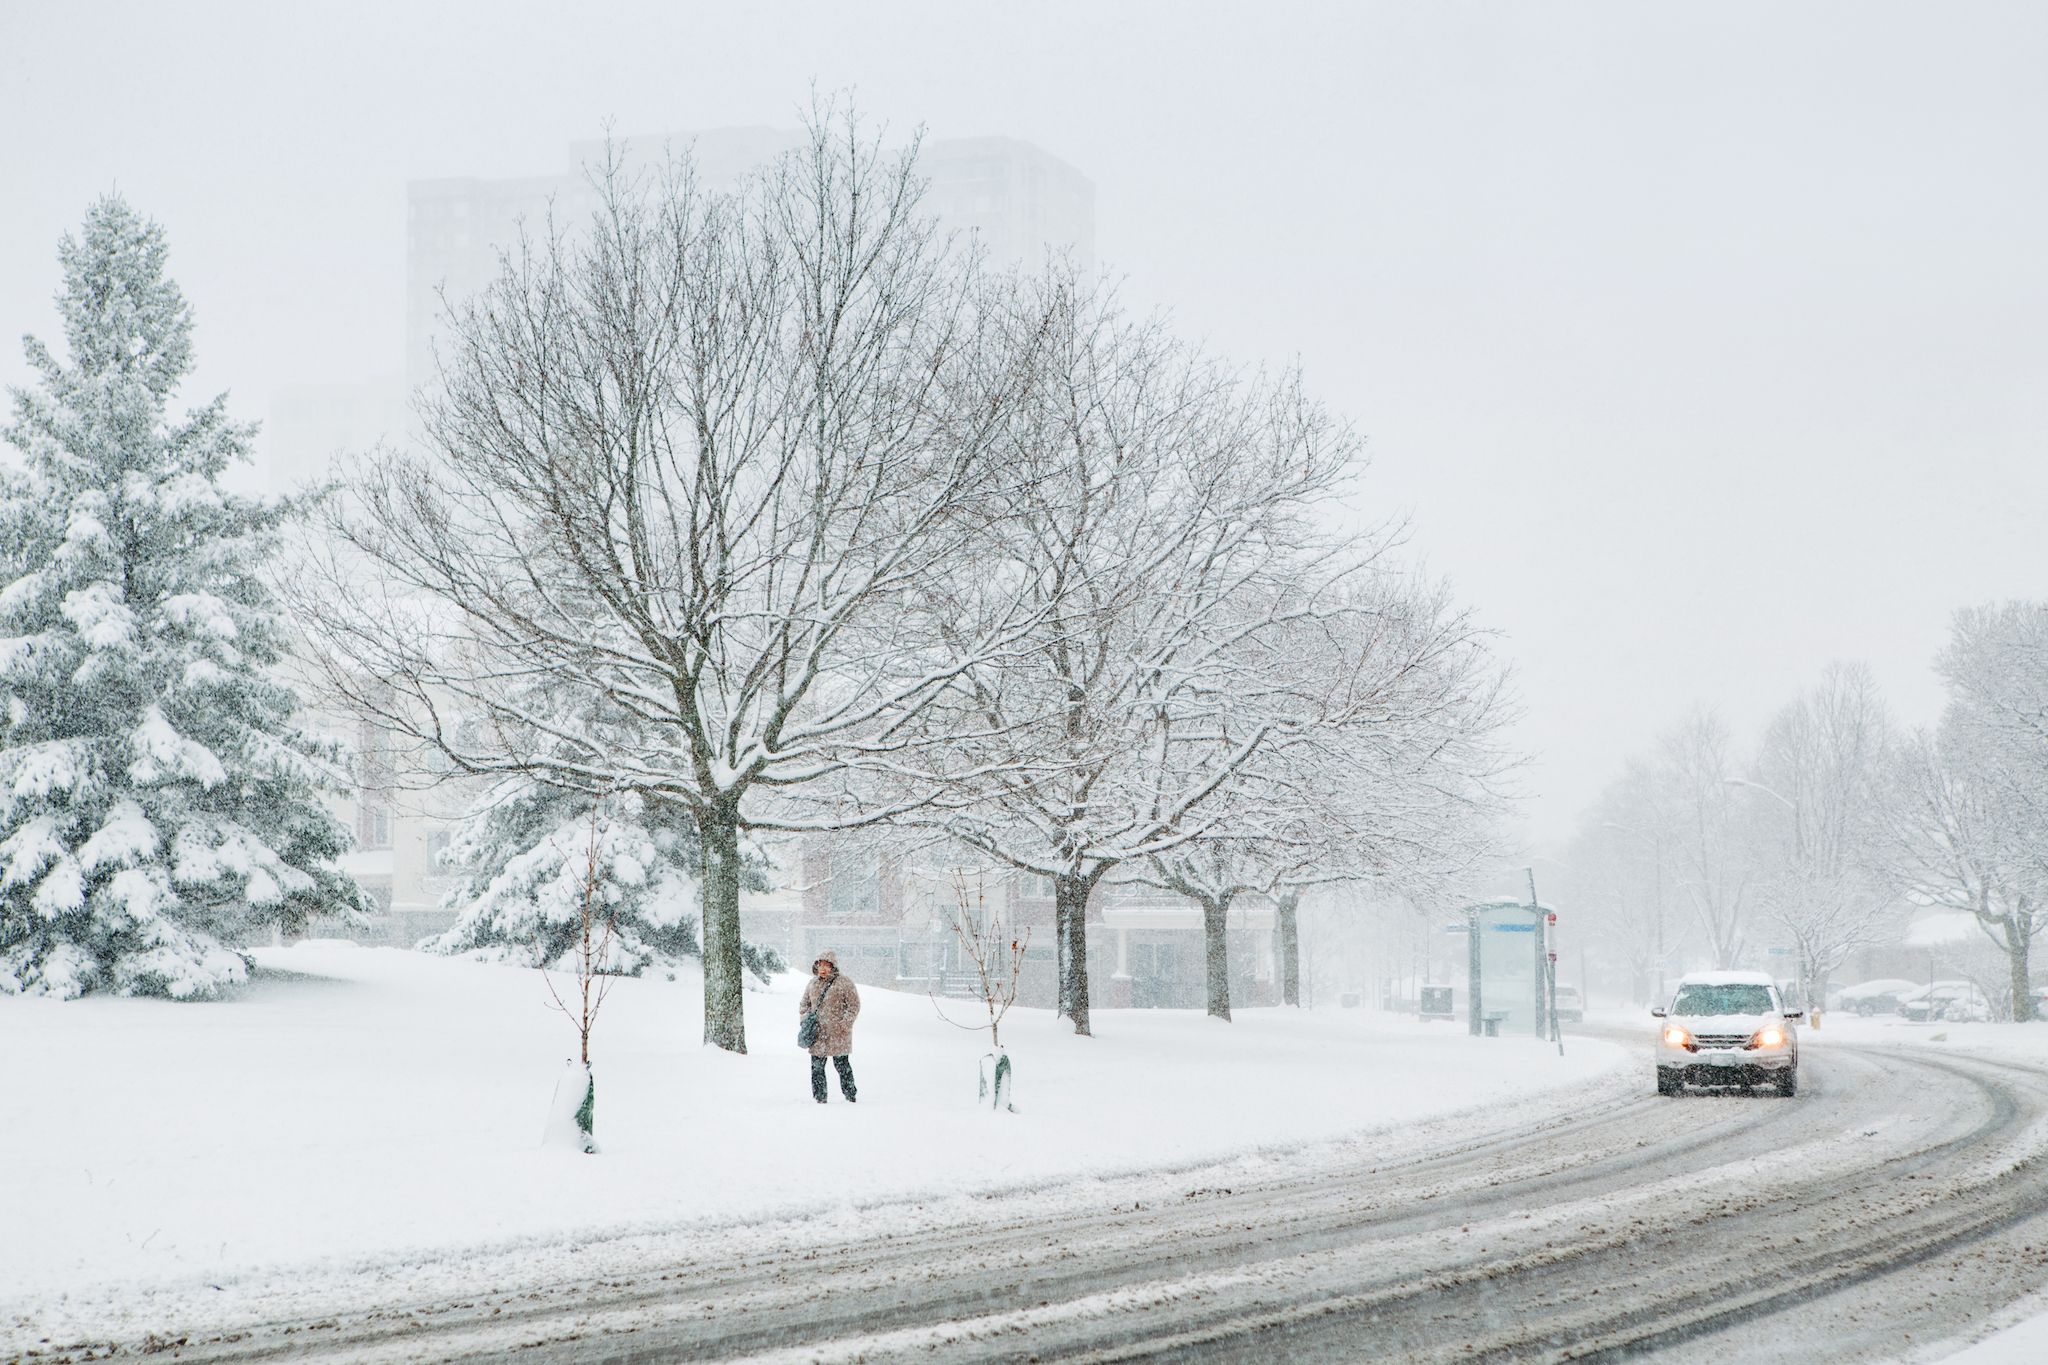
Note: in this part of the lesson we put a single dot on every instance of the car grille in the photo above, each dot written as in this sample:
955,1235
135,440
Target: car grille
1718,1040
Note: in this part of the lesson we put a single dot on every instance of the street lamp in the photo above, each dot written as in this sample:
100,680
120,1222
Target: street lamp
1787,802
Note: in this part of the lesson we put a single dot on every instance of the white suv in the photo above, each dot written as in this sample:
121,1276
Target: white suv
1727,1028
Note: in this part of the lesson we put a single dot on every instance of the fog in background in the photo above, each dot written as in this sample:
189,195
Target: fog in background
1703,345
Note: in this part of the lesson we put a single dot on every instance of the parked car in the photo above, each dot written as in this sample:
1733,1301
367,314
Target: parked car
1571,1006
1881,996
1727,1028
1953,1002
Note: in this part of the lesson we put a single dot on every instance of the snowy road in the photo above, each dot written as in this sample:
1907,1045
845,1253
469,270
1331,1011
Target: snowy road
1901,1199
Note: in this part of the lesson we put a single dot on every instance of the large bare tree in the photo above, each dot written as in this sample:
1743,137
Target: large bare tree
1164,526
1716,872
1822,786
1622,875
708,457
1394,778
1973,815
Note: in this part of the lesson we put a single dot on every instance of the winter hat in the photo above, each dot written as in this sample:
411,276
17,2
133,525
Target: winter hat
828,956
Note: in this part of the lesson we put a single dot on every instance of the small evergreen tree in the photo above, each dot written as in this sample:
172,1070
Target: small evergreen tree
158,801
529,855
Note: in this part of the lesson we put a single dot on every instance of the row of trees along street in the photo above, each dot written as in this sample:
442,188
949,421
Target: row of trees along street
1837,826
732,516
785,515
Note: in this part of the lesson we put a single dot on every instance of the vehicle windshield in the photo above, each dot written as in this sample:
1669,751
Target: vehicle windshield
1730,999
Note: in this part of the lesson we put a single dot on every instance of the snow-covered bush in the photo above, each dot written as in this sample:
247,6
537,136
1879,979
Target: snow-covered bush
158,801
526,853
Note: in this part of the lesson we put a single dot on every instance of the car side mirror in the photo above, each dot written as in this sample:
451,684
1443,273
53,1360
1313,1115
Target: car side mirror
1656,1011
1795,1014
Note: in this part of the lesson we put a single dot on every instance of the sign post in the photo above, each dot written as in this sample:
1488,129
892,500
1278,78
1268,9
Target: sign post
1475,1000
1546,947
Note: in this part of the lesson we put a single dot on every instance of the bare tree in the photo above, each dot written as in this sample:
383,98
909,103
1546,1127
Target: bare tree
1972,824
590,959
1398,784
1961,847
1162,496
995,949
1621,876
707,460
590,953
1820,781
1712,856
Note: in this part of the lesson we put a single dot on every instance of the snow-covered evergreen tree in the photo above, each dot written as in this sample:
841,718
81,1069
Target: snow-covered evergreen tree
158,801
528,853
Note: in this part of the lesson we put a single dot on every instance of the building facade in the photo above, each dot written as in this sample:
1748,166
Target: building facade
893,926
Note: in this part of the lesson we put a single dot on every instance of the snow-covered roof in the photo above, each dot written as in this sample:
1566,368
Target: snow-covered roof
1509,903
1726,979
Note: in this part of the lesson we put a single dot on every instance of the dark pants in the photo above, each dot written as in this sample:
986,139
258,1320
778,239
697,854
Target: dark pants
845,1065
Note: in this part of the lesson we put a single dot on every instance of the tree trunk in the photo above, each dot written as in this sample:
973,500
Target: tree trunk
725,1022
1070,933
2017,947
1290,950
1215,919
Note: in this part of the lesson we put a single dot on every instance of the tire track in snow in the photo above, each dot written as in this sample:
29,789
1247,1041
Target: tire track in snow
1321,1263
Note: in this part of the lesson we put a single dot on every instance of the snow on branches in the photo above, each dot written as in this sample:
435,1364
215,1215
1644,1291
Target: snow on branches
703,459
158,801
531,861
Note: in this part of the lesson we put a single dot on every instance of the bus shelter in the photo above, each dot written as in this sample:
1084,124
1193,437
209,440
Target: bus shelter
1508,950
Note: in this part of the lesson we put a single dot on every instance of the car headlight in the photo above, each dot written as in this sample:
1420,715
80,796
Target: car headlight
1770,1035
1677,1037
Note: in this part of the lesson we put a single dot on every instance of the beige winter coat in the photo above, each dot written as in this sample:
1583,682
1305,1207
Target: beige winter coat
837,1003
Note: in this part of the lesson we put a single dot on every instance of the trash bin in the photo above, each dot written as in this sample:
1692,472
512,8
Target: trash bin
1491,1022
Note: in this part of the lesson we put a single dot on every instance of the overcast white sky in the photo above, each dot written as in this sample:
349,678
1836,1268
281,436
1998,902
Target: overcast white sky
1705,344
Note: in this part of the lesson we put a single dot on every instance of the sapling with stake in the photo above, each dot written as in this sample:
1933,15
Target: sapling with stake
572,1120
997,968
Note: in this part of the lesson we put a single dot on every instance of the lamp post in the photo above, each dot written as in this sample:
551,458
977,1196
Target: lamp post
1787,802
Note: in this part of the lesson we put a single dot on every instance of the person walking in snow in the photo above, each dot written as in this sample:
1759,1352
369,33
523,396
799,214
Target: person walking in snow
830,996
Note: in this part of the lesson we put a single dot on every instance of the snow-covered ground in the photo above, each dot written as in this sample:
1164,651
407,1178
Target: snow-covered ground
2023,1343
2029,1040
359,1106
2026,1338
